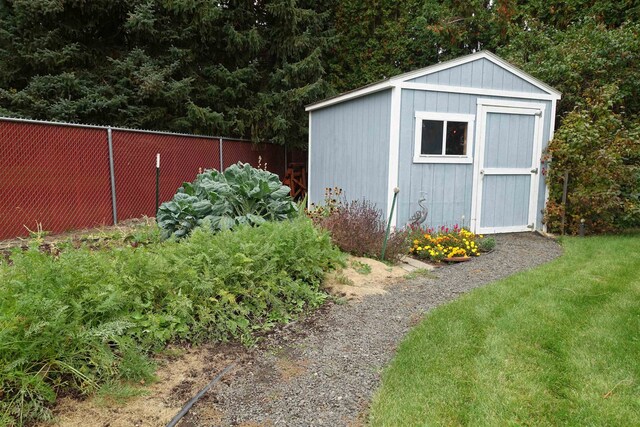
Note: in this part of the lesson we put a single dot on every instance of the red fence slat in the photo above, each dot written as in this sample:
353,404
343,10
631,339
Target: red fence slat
54,175
134,153
254,154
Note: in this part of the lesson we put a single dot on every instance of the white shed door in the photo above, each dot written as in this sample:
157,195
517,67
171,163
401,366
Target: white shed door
507,162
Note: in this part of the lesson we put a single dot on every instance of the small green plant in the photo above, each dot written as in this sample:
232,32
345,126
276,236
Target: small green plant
38,234
487,244
144,234
238,196
361,267
343,280
118,392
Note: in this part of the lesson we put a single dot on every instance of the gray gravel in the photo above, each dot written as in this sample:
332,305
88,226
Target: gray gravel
323,371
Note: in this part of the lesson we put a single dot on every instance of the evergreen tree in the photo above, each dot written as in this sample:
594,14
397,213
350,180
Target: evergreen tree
297,35
376,40
240,68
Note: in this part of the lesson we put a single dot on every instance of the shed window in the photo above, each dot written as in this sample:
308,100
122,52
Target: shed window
443,138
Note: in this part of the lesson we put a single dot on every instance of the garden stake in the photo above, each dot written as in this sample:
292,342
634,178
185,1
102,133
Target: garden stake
582,227
564,200
157,182
386,236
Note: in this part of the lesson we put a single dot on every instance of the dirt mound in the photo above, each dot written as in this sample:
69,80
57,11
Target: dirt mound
363,276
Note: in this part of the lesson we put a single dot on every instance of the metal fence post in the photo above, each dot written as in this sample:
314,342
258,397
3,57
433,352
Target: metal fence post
221,164
112,176
284,173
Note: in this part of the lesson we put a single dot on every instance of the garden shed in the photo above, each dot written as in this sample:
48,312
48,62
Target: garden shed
466,136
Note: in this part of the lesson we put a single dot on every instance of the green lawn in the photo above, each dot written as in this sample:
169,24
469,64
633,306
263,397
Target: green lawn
558,345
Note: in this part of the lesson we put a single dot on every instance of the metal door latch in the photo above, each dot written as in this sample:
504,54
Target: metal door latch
534,170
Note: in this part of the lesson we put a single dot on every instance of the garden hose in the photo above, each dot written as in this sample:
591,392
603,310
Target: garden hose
201,393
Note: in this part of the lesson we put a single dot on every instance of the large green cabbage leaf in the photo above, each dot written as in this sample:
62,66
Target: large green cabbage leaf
240,195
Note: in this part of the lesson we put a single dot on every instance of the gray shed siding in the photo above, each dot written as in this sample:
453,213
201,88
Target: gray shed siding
481,73
350,149
448,187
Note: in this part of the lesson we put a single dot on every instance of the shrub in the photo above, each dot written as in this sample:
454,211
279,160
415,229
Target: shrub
357,227
241,195
73,322
444,243
599,149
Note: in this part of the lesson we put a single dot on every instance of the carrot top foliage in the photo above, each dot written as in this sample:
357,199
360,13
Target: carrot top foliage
68,324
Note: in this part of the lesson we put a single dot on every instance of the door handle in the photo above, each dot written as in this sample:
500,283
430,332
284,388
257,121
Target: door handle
481,171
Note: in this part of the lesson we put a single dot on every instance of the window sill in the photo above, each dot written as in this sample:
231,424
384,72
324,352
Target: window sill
443,159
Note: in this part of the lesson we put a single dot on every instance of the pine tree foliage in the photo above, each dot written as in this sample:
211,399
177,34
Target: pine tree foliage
242,68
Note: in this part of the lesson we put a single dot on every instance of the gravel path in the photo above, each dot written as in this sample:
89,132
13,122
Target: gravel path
324,370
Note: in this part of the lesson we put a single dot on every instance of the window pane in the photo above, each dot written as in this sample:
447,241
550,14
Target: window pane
456,138
432,137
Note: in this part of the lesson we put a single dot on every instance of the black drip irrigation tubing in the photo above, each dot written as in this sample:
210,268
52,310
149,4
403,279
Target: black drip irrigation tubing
195,398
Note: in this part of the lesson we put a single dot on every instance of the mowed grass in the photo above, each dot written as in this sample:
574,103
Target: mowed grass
557,345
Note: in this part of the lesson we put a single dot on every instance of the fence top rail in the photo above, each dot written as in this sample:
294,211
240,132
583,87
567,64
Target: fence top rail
123,129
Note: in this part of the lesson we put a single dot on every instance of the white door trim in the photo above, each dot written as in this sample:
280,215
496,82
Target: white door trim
507,107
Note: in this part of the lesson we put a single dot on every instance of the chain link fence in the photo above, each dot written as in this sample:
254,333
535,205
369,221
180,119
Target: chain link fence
67,176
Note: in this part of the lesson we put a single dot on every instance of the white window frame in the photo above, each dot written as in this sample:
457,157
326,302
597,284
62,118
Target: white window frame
418,157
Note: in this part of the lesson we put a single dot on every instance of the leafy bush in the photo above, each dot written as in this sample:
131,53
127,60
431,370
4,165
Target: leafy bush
445,243
73,322
600,150
358,227
240,195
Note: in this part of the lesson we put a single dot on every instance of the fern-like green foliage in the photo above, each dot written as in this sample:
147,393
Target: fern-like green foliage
85,318
241,195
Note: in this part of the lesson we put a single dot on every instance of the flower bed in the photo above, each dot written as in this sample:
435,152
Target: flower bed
444,243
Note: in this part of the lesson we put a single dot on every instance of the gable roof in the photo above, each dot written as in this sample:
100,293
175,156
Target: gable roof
401,78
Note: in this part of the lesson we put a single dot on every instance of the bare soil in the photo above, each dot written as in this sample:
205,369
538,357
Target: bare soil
87,234
179,378
354,284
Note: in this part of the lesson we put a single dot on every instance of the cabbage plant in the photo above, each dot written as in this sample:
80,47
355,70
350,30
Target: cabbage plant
240,195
